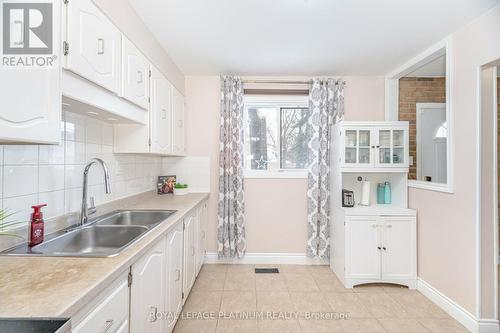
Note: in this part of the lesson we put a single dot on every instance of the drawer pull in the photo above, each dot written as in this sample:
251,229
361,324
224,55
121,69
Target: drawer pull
177,274
389,226
107,325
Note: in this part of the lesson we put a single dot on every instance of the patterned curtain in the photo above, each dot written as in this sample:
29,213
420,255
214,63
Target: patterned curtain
326,102
231,210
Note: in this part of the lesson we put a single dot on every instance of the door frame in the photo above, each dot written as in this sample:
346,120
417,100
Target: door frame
420,108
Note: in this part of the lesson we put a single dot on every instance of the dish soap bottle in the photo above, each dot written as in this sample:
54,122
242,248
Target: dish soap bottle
387,193
36,226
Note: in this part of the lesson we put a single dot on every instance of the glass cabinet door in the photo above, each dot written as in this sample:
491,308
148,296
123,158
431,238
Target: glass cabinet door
391,147
357,150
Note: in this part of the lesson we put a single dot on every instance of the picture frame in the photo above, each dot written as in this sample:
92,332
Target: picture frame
166,184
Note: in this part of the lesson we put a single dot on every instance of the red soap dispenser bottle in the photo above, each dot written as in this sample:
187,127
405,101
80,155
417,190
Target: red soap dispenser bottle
36,225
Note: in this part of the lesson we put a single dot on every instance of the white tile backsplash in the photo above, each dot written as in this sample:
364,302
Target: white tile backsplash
193,170
50,178
16,155
32,174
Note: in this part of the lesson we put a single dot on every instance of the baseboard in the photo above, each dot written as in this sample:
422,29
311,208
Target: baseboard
266,258
463,316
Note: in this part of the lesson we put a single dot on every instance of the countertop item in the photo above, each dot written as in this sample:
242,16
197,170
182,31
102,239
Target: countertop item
55,287
35,325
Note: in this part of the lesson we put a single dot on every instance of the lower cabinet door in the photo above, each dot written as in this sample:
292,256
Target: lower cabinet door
362,248
109,314
398,248
147,294
189,253
174,276
202,236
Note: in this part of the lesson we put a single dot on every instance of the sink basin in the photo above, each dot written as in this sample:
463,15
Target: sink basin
38,325
96,241
148,218
104,236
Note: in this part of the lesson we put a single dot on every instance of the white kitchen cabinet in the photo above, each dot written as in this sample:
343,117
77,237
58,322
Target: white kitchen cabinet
109,312
178,123
378,249
398,247
374,146
164,132
202,236
147,294
31,99
161,114
189,253
135,74
361,246
93,45
174,262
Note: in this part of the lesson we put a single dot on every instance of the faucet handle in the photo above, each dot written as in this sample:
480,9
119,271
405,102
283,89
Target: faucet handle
92,209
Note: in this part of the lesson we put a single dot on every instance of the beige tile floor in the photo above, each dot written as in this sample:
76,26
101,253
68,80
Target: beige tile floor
305,290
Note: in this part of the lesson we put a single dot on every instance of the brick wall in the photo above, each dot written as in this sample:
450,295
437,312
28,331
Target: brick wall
418,90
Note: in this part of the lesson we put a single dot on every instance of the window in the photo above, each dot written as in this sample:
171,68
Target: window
276,135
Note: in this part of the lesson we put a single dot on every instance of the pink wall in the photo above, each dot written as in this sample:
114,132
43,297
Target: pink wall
447,222
127,20
274,206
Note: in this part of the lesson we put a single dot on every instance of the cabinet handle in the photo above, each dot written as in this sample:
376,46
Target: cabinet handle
389,226
139,80
384,248
374,225
100,46
107,325
180,123
192,251
177,274
378,247
203,235
163,114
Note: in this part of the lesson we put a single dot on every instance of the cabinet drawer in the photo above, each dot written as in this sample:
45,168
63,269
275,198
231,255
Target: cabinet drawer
110,314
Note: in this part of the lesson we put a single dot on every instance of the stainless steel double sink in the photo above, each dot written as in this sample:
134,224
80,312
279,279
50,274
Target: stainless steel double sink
104,236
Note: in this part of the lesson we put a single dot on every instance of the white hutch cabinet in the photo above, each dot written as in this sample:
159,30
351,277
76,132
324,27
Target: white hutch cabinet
374,145
375,243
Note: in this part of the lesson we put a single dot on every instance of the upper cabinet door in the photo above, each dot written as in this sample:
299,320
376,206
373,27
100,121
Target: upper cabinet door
358,147
35,119
94,45
178,123
160,114
135,72
392,147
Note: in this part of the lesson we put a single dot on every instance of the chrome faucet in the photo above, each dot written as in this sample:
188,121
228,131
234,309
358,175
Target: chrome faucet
91,210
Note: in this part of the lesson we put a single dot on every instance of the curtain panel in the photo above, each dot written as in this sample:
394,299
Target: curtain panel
326,103
231,208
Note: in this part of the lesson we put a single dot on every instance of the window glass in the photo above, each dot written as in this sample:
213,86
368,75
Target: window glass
276,136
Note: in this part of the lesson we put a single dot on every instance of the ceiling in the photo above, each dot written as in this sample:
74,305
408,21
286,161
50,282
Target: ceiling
301,37
434,68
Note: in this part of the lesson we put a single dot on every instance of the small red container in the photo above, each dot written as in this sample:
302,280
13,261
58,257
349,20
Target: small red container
36,225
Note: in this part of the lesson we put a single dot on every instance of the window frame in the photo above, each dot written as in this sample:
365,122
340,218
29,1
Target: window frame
278,101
